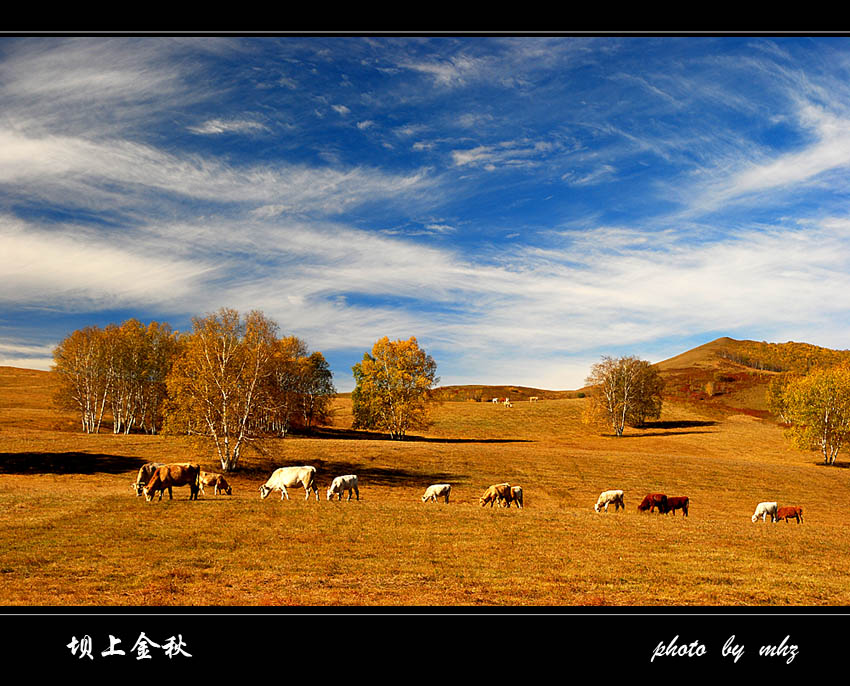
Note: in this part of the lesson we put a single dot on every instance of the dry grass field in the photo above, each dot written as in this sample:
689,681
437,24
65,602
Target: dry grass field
73,534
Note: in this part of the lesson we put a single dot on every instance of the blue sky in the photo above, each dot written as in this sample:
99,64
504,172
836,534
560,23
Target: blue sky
521,205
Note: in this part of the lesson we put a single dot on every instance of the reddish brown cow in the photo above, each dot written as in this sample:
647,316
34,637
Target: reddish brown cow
169,475
787,513
653,500
676,502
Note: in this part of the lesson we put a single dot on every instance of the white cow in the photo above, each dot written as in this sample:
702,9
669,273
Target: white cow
764,509
146,472
437,491
533,399
289,477
607,498
343,483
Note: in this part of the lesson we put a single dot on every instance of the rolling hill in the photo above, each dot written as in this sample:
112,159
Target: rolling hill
722,375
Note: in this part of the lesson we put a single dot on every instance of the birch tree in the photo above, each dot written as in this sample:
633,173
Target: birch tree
818,407
83,363
217,383
392,387
623,391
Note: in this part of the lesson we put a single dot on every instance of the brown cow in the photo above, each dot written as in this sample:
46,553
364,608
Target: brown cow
217,480
169,475
653,500
146,471
496,493
790,512
676,502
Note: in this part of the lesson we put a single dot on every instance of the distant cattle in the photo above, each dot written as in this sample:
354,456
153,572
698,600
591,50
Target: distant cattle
289,477
613,497
678,502
170,475
533,399
437,491
788,513
653,500
217,481
764,509
496,400
341,484
146,472
496,494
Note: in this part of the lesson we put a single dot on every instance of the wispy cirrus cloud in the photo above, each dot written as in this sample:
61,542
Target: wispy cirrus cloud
219,126
702,183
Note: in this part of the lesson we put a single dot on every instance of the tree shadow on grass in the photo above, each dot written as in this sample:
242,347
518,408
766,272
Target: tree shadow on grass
358,435
668,428
327,470
382,476
71,462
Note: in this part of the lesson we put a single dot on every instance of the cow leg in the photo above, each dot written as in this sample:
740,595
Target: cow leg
283,494
357,492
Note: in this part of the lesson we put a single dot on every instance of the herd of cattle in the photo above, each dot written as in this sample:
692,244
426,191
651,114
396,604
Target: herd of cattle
155,477
666,504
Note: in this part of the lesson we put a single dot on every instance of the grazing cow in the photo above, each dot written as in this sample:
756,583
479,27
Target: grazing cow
216,480
516,496
497,493
677,502
653,500
533,399
496,400
788,513
437,491
343,483
146,472
169,475
612,497
288,477
764,509
507,401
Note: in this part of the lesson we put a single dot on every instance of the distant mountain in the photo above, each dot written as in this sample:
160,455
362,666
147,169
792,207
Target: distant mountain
732,374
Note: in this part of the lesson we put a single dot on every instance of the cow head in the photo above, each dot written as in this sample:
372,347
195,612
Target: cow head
330,493
148,494
137,487
264,492
228,489
755,517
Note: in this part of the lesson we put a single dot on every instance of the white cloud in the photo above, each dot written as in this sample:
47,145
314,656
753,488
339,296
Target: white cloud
78,269
218,126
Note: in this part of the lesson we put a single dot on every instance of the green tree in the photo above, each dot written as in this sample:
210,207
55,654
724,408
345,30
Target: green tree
393,385
818,407
623,391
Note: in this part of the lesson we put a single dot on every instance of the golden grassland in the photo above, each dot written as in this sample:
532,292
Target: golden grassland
73,534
